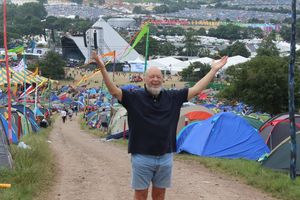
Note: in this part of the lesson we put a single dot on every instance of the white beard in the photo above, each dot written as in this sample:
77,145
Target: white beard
154,91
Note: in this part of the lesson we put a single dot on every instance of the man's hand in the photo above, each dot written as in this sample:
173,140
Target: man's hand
218,65
96,58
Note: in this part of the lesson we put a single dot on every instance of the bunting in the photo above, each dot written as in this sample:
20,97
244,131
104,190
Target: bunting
20,67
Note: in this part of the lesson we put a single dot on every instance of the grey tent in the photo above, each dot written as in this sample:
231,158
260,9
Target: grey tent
279,158
5,156
275,130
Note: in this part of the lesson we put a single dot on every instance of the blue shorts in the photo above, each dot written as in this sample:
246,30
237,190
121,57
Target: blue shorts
148,168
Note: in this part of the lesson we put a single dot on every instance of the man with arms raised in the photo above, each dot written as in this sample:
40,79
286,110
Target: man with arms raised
153,115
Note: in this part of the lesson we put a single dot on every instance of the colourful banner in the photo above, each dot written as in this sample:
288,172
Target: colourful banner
17,50
144,30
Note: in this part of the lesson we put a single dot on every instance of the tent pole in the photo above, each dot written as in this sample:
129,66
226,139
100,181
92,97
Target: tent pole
291,85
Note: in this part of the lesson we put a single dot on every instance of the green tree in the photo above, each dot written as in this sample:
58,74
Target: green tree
285,32
32,9
204,52
155,47
201,31
139,10
52,66
77,1
195,71
267,48
262,83
230,32
161,9
43,1
190,44
238,48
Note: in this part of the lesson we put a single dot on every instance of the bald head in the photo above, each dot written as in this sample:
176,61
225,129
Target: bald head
153,70
153,80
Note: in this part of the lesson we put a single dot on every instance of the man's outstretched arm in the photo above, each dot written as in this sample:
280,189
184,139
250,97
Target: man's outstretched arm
201,84
112,88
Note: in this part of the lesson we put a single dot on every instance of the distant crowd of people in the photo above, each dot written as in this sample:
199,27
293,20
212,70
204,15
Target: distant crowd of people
68,112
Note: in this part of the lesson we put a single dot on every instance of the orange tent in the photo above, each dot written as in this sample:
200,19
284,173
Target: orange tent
198,115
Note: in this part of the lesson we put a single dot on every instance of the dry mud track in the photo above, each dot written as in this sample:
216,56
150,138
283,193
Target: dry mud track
91,169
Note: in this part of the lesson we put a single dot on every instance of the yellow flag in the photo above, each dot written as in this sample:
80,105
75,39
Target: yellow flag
36,72
16,89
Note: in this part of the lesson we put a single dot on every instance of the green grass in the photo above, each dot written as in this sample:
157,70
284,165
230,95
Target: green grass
277,184
92,131
33,168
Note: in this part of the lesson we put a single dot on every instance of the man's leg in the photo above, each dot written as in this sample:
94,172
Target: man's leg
158,193
162,178
140,194
142,173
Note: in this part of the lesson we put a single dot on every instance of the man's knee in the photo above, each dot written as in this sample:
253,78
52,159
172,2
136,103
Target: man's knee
158,193
140,194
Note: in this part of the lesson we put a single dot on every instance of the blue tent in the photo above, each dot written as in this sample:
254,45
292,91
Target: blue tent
53,97
223,135
130,87
66,100
13,133
92,91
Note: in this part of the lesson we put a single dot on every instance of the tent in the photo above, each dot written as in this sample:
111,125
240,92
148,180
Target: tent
5,156
224,135
116,124
190,109
277,129
30,116
13,78
5,128
256,123
130,87
198,115
279,158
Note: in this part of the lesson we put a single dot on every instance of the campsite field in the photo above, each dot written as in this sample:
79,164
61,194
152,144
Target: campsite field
119,79
243,172
89,168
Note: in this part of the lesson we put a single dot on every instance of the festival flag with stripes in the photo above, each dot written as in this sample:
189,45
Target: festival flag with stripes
20,67
29,90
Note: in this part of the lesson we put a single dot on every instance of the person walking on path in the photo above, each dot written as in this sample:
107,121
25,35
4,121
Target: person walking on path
153,115
63,114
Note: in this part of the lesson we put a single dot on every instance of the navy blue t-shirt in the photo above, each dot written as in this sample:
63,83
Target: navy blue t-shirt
153,120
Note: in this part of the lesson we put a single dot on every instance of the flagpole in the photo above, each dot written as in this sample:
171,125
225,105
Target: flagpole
24,99
114,66
7,74
35,100
147,48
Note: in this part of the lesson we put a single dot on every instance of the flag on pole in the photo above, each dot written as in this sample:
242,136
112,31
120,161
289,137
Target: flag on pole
143,31
109,54
28,91
20,67
17,50
36,72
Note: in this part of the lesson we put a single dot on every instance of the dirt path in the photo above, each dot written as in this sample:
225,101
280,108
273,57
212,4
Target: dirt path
91,169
